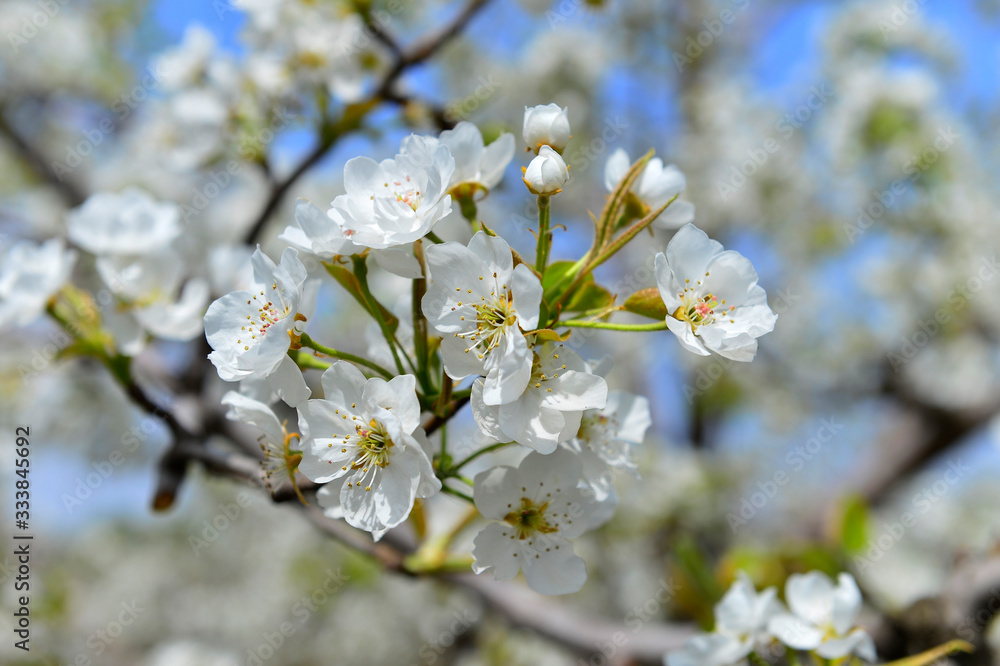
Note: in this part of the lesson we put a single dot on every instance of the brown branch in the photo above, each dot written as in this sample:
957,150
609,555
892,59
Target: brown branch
583,634
435,421
936,430
70,192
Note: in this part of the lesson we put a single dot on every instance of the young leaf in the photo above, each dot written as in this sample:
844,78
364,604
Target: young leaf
548,335
590,296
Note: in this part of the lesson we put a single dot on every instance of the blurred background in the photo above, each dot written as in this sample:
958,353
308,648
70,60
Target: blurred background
849,149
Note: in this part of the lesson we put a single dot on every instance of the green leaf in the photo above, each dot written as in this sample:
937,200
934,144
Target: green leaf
647,303
934,654
555,273
590,296
854,524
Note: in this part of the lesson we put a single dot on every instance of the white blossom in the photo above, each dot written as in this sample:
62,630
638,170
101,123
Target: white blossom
128,223
316,233
550,410
29,275
741,621
604,443
707,650
547,172
149,289
367,433
274,440
714,303
546,125
537,507
476,164
655,186
481,305
822,617
249,330
184,64
396,201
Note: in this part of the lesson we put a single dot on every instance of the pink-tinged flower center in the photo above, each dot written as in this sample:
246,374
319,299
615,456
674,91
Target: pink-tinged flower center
404,191
701,309
268,314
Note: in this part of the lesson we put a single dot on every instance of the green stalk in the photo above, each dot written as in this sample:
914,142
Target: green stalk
605,253
361,272
307,360
335,353
457,493
488,449
544,235
576,323
420,346
617,244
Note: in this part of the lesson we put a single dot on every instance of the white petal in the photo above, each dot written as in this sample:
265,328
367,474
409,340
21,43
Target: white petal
526,291
686,336
493,549
857,642
495,491
487,416
810,596
554,569
615,169
795,632
846,603
343,386
690,251
399,260
255,413
288,383
509,366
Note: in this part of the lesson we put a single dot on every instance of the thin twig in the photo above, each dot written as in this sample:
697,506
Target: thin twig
383,92
70,192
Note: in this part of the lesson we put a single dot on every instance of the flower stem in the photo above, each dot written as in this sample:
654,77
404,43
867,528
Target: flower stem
307,360
328,351
544,235
457,493
488,449
576,323
420,345
361,273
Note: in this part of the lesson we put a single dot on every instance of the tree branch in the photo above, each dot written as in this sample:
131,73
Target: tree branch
70,192
584,635
384,92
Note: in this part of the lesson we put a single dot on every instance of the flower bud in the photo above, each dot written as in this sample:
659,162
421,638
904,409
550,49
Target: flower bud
547,173
546,125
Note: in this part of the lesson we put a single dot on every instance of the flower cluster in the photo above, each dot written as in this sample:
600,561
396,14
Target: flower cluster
488,328
820,619
494,326
135,241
